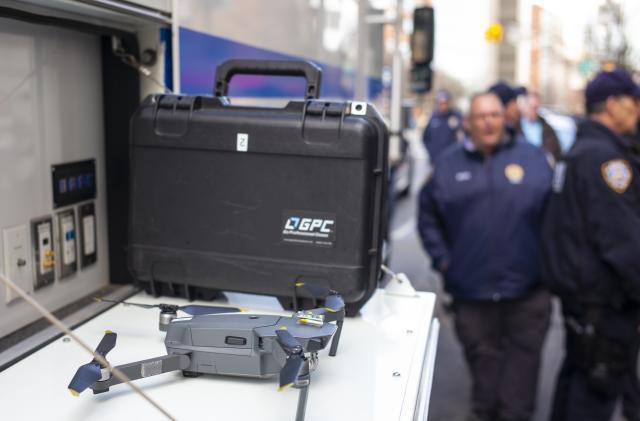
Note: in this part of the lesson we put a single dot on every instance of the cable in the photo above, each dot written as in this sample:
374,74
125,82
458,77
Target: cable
388,271
56,322
131,61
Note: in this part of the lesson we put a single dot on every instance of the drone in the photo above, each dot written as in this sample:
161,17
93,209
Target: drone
332,311
248,345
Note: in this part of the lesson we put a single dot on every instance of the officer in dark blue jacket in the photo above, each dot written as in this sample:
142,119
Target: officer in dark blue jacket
444,128
591,244
479,220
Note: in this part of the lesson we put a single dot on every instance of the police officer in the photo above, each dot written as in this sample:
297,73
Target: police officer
591,246
509,97
479,220
444,128
527,125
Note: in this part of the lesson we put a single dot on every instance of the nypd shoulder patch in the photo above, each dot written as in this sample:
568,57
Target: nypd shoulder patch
617,173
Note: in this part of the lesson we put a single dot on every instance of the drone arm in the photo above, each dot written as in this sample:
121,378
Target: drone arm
145,368
332,316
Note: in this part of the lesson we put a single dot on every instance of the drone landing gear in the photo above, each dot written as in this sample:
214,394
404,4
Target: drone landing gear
303,383
336,338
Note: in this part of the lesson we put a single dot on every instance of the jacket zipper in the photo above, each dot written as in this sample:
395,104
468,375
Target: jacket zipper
488,164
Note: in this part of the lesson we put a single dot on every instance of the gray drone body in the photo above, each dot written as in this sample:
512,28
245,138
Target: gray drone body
240,344
232,344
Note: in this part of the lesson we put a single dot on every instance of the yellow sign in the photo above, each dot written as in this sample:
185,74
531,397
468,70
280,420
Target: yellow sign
494,33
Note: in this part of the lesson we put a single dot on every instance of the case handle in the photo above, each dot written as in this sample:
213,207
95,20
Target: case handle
310,71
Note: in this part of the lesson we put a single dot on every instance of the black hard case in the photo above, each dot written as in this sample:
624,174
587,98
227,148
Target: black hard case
206,217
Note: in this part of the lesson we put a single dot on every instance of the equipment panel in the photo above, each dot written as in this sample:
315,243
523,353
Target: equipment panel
73,182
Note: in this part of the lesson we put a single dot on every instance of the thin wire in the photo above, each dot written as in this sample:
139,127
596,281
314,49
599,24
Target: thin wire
131,61
56,322
388,271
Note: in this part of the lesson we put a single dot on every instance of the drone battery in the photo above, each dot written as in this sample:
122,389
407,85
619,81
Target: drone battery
310,318
255,199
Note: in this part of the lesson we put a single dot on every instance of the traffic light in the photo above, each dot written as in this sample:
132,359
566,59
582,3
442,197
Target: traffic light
422,49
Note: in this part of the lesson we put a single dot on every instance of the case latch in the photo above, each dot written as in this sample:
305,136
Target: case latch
173,113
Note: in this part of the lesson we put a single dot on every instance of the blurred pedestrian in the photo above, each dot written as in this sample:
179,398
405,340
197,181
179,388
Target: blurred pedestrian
479,220
530,124
444,128
509,97
536,129
591,244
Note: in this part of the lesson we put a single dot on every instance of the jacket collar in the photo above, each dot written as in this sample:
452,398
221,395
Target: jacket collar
593,129
507,141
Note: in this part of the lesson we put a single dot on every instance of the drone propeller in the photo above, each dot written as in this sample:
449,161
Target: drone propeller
89,373
333,302
317,291
192,309
295,357
333,311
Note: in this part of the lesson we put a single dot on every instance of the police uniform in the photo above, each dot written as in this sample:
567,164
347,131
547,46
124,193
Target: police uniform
443,130
479,220
591,254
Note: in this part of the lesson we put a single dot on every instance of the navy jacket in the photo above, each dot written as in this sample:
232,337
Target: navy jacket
480,219
442,131
591,233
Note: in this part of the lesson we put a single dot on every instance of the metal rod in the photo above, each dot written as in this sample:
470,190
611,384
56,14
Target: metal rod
396,88
99,358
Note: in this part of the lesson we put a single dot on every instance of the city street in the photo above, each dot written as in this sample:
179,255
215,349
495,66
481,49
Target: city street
451,385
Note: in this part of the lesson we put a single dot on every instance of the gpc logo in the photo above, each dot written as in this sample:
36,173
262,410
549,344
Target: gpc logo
296,223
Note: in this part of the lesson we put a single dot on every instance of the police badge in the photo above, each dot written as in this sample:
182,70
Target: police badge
514,173
618,174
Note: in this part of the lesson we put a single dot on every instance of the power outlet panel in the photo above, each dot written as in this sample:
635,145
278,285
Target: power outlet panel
67,260
43,252
17,264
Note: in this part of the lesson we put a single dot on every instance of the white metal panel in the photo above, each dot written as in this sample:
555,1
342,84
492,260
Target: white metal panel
162,5
326,30
389,338
50,112
109,13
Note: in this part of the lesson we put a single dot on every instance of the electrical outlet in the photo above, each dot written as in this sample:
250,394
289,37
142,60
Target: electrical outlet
67,256
87,228
17,266
43,252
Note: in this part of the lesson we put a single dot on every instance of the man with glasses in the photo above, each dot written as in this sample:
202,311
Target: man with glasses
479,220
591,248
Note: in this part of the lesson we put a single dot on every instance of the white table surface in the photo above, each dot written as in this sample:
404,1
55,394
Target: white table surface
393,334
